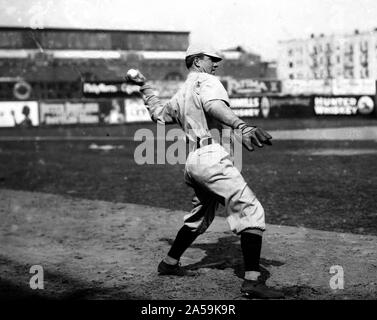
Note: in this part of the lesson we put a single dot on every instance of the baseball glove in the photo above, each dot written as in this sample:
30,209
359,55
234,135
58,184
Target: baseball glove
254,136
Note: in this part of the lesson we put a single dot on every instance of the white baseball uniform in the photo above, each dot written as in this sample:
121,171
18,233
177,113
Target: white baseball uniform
209,168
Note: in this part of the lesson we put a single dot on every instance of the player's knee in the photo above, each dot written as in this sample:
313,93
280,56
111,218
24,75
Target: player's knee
251,217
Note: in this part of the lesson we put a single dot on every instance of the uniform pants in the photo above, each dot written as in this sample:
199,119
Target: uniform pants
210,171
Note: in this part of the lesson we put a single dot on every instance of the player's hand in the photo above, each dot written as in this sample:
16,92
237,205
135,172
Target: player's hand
254,136
134,76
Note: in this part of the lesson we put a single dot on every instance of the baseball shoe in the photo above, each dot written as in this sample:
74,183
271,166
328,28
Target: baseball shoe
258,289
165,269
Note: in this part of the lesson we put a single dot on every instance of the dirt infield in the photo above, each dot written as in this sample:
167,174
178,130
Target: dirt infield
103,250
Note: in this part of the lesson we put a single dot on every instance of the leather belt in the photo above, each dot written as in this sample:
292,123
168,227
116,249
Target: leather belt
203,142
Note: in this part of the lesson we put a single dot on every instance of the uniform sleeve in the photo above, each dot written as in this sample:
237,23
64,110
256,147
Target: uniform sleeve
161,113
212,89
218,110
215,101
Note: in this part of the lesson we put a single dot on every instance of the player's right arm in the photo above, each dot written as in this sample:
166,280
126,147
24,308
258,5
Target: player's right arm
161,113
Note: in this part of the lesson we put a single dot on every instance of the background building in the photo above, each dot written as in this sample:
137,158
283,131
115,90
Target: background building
335,64
350,56
241,64
341,63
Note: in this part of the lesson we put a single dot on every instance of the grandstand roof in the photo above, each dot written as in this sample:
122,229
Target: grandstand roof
54,29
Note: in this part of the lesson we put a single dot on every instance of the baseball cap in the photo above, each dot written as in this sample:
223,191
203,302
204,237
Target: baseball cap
201,48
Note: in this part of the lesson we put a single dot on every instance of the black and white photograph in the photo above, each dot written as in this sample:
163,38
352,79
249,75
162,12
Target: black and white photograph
194,151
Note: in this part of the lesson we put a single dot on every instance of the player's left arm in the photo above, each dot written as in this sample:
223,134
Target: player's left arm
219,110
216,104
251,135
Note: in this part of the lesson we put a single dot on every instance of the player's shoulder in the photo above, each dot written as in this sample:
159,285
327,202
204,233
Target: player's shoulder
204,82
202,77
208,78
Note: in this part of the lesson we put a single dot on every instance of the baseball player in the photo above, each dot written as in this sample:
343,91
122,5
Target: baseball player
200,105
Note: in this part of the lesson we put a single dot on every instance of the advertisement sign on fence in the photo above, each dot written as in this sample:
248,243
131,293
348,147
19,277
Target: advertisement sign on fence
19,113
250,86
329,87
343,105
136,111
111,111
246,107
106,89
291,107
69,112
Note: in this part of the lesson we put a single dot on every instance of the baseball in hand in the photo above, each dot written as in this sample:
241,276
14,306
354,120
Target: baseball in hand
132,73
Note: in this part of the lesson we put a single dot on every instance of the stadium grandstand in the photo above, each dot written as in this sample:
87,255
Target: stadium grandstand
55,61
76,76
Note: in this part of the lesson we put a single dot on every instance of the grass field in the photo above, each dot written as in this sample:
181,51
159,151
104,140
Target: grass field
331,190
129,129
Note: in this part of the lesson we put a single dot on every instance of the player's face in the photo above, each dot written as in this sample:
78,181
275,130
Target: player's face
209,64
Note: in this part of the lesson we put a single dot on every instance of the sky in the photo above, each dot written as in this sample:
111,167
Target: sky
257,25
